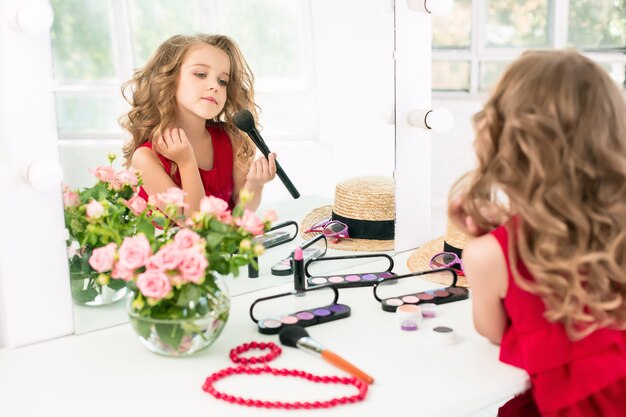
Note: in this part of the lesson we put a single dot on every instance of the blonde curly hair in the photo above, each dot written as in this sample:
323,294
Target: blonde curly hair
151,94
552,139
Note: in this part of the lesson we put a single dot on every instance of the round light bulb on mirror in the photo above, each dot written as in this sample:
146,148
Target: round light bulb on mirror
437,120
434,7
34,17
45,174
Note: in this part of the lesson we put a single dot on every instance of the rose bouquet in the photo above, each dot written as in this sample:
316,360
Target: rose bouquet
178,304
101,217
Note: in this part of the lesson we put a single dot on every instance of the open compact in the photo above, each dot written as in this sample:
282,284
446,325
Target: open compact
350,279
305,308
406,290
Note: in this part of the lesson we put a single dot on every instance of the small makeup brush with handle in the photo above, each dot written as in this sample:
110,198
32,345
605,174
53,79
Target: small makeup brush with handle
296,336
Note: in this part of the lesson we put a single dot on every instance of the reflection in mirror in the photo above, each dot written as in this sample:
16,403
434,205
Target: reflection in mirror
324,98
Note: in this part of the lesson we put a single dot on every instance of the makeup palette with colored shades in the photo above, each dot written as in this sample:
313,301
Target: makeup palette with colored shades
308,308
352,279
406,291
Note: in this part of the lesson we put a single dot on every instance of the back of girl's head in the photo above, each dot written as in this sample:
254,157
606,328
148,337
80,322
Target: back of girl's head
151,92
552,138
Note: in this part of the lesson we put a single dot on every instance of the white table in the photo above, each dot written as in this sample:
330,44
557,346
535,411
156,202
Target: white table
109,372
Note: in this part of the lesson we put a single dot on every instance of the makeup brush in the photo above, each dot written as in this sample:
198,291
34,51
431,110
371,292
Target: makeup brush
245,122
296,336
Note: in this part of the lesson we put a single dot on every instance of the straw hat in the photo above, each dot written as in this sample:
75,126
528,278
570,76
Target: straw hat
367,205
453,241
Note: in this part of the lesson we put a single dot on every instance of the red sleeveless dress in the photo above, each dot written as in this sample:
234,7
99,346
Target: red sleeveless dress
218,182
568,379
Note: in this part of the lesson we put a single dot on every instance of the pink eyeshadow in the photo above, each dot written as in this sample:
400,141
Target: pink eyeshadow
335,280
394,302
353,278
410,299
289,320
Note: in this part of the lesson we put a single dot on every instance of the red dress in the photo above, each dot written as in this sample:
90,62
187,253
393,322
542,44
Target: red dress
218,181
568,379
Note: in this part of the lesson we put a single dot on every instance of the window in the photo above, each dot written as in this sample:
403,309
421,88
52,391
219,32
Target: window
97,44
473,45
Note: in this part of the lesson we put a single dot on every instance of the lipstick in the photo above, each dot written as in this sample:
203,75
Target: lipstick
298,270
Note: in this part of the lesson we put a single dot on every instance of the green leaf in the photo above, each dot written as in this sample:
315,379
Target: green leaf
188,294
171,334
83,295
142,327
116,284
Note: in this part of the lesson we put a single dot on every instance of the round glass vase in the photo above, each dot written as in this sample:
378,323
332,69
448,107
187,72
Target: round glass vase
183,336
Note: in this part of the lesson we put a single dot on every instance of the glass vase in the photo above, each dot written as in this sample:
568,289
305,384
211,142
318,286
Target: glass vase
183,336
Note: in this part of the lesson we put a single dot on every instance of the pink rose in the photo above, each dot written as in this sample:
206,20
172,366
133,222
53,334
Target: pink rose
213,205
174,196
120,272
70,198
136,204
101,259
103,173
251,222
154,284
167,258
127,177
134,252
193,266
95,210
186,239
270,216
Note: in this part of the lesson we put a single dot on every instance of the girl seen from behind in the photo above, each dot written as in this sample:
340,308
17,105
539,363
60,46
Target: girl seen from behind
183,102
547,204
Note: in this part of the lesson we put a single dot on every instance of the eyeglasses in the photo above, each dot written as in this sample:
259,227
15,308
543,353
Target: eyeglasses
330,228
447,260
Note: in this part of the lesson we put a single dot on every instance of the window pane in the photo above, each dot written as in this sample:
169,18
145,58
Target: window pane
597,24
455,30
451,75
617,71
272,37
153,21
85,113
490,73
82,43
512,23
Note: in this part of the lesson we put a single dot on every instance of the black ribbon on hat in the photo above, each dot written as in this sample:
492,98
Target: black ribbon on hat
368,229
449,248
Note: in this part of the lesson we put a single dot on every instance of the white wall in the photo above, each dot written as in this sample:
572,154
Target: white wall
452,153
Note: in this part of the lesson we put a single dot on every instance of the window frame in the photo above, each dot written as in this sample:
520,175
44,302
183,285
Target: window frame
124,67
479,52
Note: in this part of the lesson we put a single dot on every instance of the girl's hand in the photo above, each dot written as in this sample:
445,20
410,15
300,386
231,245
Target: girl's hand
262,171
175,146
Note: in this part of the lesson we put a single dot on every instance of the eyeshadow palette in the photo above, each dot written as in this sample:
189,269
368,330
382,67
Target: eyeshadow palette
352,279
438,296
305,318
349,280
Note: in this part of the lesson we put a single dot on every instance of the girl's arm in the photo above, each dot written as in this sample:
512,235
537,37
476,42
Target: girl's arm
261,171
174,146
485,268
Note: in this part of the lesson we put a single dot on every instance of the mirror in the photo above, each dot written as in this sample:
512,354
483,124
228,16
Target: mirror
324,79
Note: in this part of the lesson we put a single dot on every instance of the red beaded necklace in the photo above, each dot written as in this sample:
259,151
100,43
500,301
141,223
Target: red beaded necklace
244,368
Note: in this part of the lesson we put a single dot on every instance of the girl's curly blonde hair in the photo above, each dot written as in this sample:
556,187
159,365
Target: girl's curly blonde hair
552,138
151,94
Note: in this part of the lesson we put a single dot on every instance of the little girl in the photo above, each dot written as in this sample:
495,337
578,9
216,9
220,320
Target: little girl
549,279
183,102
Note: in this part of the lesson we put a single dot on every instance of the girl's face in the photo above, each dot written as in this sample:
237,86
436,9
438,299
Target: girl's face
201,82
